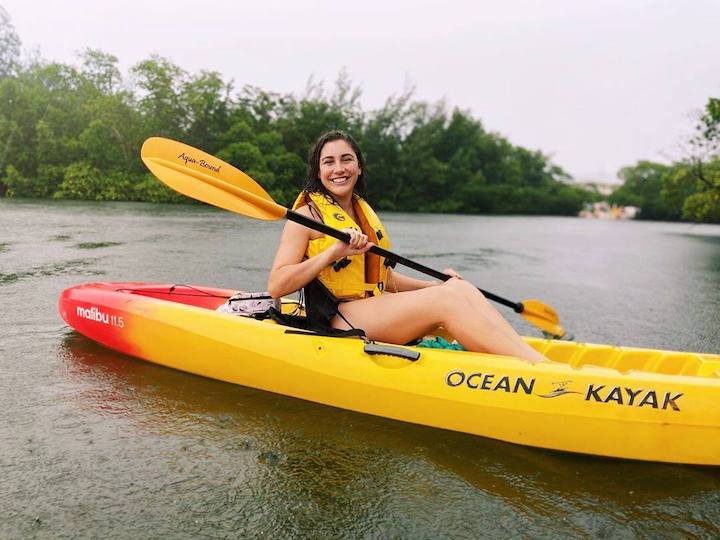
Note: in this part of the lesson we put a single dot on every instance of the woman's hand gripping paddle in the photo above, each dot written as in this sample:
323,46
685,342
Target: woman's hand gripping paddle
204,177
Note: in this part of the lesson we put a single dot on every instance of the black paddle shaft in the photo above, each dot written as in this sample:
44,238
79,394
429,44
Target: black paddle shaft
389,255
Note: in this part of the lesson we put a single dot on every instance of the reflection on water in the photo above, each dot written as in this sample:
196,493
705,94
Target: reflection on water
98,444
314,469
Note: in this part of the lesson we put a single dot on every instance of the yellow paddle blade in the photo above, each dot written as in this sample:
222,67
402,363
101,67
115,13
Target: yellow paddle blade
543,316
206,178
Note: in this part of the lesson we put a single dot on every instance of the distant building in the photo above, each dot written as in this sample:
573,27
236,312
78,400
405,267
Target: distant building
603,188
603,210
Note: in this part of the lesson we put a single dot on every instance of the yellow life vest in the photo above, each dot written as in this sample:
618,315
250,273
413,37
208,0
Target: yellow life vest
357,276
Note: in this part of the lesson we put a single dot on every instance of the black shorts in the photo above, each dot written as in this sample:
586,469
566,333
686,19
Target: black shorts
321,306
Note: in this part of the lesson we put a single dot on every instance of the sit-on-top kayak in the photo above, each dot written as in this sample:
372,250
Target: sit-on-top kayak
594,399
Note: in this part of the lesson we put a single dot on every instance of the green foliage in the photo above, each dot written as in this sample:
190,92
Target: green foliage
642,187
81,181
75,133
101,70
18,185
9,46
704,169
159,85
206,101
695,186
677,184
710,121
148,189
688,189
703,206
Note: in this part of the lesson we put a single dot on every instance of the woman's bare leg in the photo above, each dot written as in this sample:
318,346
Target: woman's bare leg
402,317
482,305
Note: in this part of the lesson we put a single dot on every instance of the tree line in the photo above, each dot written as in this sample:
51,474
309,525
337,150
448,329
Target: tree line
75,132
689,188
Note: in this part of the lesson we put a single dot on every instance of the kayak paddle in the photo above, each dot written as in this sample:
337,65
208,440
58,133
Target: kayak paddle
204,177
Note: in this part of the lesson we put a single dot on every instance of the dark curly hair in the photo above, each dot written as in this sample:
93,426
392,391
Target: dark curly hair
312,180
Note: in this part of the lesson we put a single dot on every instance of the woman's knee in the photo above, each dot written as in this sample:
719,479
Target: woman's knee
448,298
463,287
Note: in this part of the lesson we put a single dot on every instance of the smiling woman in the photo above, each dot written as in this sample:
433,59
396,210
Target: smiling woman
346,286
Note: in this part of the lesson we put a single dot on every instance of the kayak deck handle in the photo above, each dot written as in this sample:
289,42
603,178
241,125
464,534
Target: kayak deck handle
389,350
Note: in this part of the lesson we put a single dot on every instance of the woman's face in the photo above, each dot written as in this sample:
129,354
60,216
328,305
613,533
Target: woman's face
339,168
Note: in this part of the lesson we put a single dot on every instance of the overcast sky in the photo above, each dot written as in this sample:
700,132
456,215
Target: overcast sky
596,85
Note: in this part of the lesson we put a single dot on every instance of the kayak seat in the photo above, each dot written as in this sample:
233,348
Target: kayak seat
305,325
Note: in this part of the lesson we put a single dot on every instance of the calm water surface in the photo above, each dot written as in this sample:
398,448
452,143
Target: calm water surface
96,444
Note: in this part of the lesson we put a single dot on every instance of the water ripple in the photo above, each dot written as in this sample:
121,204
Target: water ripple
97,245
81,267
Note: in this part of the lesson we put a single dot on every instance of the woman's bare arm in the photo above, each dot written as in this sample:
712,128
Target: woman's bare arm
397,282
289,272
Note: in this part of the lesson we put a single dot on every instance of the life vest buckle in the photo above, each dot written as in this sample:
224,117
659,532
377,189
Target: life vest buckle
342,263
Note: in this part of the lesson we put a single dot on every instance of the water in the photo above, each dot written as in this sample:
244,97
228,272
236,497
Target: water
96,444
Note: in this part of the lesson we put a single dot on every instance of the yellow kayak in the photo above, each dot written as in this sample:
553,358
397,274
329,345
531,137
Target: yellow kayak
594,399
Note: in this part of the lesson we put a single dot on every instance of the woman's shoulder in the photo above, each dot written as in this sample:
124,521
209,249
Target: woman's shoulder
309,211
309,207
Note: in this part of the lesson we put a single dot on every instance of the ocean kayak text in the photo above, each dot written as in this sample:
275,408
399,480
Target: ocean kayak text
600,393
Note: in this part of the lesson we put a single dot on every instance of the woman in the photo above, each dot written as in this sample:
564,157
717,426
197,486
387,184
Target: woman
359,281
